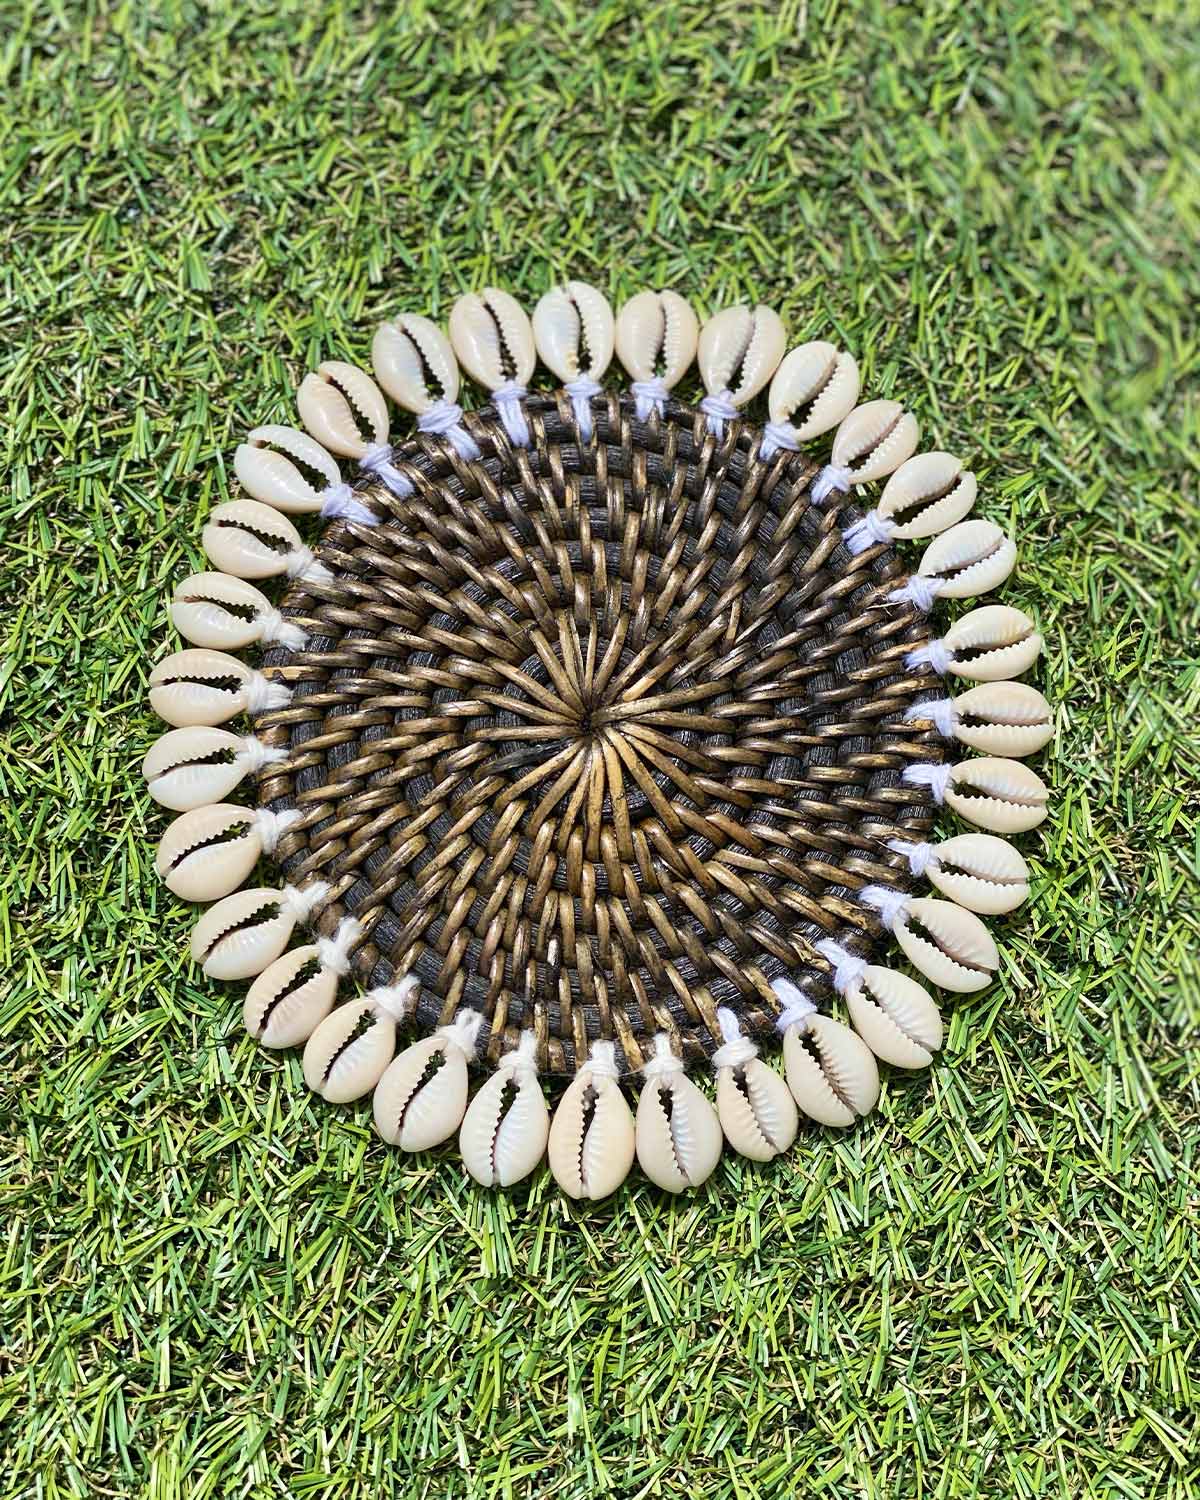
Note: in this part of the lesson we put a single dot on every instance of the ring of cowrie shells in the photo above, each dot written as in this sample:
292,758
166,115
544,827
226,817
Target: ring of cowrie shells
600,736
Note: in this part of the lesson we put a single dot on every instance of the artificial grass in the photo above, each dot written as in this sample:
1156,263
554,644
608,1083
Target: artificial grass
214,1284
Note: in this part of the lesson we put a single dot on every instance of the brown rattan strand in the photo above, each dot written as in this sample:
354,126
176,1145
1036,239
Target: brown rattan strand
599,738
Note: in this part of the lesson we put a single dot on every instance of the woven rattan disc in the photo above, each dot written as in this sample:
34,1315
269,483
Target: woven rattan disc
597,738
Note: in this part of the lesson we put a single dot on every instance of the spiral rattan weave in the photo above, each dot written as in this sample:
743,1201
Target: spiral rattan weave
593,738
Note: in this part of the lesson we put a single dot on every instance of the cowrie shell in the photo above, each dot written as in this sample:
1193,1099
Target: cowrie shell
198,686
343,408
505,1129
739,350
573,331
656,337
1001,795
927,494
217,610
492,338
408,353
896,1017
992,643
290,998
875,439
1003,718
591,1136
830,1070
194,767
677,1133
970,559
950,946
756,1110
242,934
817,382
347,1053
982,873
270,466
249,539
208,852
422,1097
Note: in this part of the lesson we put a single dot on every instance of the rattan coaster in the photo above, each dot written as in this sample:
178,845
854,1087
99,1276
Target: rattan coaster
597,736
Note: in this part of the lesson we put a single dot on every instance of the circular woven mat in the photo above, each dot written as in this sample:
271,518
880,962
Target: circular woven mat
593,738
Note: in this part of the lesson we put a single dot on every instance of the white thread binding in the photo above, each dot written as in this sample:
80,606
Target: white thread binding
396,1000
581,392
377,461
777,436
936,655
301,564
848,968
444,419
664,1061
937,777
738,1049
941,712
522,1062
254,755
797,1007
261,695
649,396
832,477
334,952
462,1032
340,503
719,409
271,826
602,1060
891,905
276,631
508,398
919,591
873,530
299,902
921,856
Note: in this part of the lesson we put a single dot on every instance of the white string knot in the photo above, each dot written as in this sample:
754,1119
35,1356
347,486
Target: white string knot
891,905
832,477
301,564
777,436
738,1049
581,391
254,755
936,655
719,409
919,591
649,396
333,952
462,1032
276,631
522,1062
377,461
940,712
271,826
397,999
797,1007
261,695
937,777
508,398
872,531
664,1061
921,856
848,968
444,419
602,1060
340,503
299,902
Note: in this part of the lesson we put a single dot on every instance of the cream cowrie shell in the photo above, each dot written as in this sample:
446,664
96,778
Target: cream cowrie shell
949,945
656,337
209,851
677,1132
1001,795
505,1129
217,610
874,440
830,1070
817,382
1008,719
268,467
970,559
289,999
198,766
927,494
983,873
243,934
992,643
406,355
252,540
343,408
198,686
895,1016
739,350
573,331
756,1110
347,1053
492,338
422,1097
591,1143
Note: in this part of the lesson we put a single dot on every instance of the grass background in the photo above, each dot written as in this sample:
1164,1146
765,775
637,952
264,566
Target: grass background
212,1285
